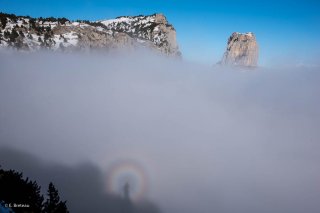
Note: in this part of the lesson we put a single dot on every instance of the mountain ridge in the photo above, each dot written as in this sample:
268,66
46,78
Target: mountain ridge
130,32
123,32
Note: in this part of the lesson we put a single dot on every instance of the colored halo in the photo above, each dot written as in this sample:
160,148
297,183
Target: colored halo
127,171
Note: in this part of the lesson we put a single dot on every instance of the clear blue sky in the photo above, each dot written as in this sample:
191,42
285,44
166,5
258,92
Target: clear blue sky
286,30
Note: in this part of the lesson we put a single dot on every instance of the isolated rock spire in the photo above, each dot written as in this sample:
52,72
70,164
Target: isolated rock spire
242,50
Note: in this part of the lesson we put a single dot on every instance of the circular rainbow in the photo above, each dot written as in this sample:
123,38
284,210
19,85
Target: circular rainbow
125,172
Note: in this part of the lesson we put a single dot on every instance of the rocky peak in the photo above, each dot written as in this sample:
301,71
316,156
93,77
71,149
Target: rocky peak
160,18
242,50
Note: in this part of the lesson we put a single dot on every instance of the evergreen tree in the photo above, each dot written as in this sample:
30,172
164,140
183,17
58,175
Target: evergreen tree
53,203
3,20
16,190
6,34
21,34
62,20
32,23
48,28
46,36
13,35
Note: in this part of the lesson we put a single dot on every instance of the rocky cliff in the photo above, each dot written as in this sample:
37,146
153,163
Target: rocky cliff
130,32
242,50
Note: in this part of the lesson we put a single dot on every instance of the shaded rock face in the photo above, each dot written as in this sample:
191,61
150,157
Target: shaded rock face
126,32
242,50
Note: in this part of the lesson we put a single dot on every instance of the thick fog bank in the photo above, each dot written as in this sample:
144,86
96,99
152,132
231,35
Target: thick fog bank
207,139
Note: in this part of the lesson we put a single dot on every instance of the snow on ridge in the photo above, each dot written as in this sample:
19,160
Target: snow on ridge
247,33
117,20
128,20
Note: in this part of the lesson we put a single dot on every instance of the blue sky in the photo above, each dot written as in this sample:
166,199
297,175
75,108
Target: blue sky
286,30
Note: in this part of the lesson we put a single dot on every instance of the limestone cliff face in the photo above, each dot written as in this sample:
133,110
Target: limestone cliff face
128,32
242,50
151,30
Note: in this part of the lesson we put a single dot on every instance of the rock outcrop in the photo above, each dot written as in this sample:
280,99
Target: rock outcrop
150,30
242,50
129,32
